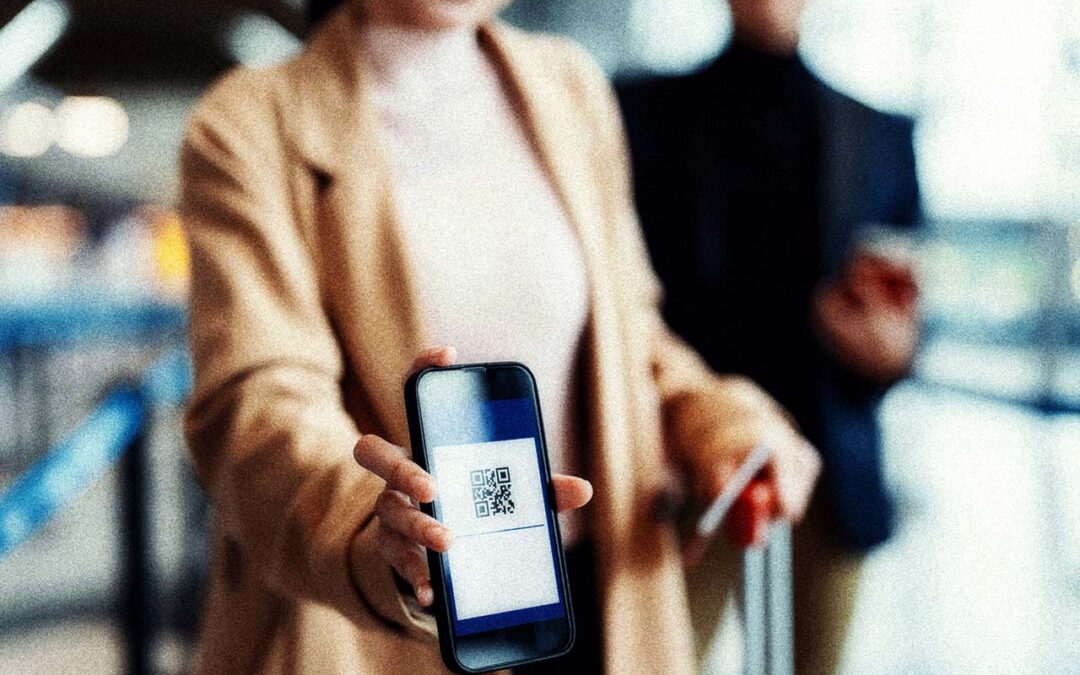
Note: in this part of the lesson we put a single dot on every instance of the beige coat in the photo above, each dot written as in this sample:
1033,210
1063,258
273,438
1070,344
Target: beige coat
303,319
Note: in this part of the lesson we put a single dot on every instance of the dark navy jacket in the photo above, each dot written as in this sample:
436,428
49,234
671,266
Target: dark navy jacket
682,132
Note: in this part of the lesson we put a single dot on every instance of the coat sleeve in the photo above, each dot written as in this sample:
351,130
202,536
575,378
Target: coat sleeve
266,425
700,407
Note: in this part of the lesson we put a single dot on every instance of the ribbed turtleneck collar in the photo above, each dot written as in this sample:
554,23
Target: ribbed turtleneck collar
412,63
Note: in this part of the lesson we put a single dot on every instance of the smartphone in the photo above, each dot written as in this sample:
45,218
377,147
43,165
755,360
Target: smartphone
501,593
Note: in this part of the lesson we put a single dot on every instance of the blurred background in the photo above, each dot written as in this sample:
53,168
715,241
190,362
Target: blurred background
982,445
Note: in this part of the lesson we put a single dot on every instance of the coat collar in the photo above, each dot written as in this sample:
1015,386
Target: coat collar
327,76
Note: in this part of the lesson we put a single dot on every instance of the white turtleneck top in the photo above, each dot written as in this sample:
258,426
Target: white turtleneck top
497,266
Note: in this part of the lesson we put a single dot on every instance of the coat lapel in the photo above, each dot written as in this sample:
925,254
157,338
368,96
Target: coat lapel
843,140
636,556
548,117
562,142
364,266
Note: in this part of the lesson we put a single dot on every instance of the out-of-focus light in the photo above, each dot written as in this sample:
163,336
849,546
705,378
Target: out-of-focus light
677,35
91,126
27,130
872,49
1006,295
257,41
29,36
54,229
171,255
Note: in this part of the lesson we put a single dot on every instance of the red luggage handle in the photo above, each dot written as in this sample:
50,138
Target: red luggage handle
747,523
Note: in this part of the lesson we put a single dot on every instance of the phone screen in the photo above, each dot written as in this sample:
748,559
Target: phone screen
485,450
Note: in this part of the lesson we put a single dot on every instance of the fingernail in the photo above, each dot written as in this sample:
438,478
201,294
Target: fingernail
424,488
439,536
425,596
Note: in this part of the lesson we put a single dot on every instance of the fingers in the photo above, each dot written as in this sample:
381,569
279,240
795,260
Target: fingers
835,304
841,321
392,464
876,340
872,291
737,445
876,263
748,523
397,513
409,561
693,549
571,492
713,482
435,357
794,473
876,281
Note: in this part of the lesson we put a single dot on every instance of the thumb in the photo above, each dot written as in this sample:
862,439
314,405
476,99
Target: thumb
571,492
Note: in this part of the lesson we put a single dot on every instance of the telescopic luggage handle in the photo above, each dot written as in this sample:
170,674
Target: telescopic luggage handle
766,583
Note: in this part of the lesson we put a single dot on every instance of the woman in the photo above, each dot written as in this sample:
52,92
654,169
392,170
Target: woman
422,174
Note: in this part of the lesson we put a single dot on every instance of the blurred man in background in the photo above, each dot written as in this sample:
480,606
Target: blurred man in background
757,185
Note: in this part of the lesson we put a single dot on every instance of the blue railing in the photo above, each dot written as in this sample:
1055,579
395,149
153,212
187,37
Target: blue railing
71,467
76,318
34,327
113,435
94,447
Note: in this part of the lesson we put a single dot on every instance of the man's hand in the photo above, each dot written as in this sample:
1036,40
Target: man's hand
869,318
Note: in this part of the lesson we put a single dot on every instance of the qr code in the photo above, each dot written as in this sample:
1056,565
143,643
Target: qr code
492,492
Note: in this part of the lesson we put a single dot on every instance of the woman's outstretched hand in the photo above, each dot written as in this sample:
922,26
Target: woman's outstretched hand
404,531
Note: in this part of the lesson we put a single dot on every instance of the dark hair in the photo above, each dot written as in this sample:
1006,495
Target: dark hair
318,9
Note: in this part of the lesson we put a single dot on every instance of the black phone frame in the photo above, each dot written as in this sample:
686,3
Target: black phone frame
505,647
